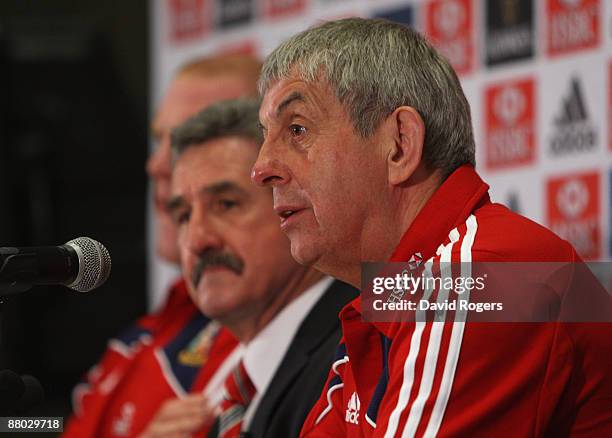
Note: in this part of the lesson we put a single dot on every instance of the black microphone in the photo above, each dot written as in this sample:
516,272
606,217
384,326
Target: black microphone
82,264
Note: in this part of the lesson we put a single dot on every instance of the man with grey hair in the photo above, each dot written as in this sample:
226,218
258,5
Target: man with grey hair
136,378
239,271
368,147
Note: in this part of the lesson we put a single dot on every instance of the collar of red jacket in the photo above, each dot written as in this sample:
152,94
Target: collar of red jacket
450,206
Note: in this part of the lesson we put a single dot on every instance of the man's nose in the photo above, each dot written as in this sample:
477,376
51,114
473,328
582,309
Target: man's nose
269,170
203,233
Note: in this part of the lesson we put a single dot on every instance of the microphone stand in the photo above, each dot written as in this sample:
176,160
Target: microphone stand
14,271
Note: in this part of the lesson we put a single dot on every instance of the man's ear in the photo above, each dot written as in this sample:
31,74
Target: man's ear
408,130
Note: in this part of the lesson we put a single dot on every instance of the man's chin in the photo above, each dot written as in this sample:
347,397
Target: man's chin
214,287
215,306
305,255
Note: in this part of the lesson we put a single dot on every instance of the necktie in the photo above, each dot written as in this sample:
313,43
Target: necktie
237,395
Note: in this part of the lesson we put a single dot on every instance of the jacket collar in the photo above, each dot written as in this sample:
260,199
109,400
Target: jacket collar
450,206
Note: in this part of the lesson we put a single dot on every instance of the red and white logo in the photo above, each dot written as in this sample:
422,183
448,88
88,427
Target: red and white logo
243,48
572,25
188,19
282,8
449,26
574,213
352,410
510,124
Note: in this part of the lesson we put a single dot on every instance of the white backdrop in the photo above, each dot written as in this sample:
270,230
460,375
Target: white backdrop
537,75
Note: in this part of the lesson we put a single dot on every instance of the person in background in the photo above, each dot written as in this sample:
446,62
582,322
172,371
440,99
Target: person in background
239,271
171,360
370,153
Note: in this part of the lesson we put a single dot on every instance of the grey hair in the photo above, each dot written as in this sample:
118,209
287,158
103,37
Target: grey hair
375,66
236,117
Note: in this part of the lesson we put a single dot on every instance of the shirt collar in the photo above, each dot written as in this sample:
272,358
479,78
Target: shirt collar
449,207
264,353
451,204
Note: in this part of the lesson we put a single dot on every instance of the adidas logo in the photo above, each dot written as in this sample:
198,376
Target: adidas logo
574,132
572,107
123,424
352,410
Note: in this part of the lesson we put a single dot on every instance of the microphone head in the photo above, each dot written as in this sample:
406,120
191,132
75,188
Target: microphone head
94,264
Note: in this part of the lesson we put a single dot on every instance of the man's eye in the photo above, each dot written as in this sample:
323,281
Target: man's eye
297,130
182,217
226,204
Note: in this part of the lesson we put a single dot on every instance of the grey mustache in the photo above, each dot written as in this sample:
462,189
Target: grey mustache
215,258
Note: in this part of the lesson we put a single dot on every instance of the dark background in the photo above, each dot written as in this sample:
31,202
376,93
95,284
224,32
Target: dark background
73,143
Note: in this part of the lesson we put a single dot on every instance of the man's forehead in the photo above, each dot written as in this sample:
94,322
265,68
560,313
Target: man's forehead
187,95
227,155
199,173
286,91
192,95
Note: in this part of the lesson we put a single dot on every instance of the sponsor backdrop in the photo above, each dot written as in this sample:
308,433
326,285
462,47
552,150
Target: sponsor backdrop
537,75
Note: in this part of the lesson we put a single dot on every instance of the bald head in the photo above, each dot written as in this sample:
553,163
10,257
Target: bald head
196,85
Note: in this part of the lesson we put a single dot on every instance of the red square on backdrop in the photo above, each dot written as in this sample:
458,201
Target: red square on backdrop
510,124
243,48
282,8
188,19
450,27
574,211
573,25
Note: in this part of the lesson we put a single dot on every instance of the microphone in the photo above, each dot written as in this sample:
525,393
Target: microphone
81,264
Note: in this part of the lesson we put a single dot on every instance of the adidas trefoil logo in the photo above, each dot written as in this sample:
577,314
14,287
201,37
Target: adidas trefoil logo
352,411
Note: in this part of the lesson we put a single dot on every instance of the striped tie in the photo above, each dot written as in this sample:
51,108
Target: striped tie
238,393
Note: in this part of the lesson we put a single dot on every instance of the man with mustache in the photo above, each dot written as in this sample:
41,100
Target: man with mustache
163,367
370,153
239,271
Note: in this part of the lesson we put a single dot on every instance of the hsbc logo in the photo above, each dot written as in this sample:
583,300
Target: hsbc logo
188,19
281,8
509,104
574,213
572,198
571,3
449,17
510,124
572,25
449,25
352,410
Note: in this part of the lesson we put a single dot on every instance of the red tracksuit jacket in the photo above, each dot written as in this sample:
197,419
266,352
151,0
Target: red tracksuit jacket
457,379
154,360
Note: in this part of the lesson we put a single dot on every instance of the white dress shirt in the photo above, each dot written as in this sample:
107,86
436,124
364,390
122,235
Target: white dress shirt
263,355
